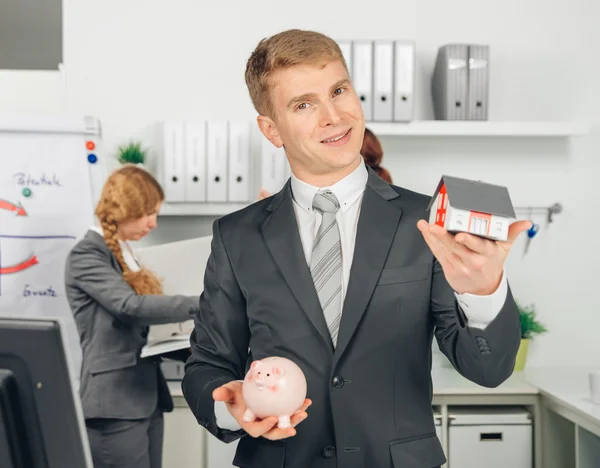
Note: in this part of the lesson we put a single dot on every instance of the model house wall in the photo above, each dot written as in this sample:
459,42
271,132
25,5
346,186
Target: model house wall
457,220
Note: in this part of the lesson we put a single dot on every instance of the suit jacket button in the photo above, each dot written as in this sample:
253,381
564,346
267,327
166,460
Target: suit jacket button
329,451
337,382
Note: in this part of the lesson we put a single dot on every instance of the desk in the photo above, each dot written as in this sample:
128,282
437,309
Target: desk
566,423
571,422
452,389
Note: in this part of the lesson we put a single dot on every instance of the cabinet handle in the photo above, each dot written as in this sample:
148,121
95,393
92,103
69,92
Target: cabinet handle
490,436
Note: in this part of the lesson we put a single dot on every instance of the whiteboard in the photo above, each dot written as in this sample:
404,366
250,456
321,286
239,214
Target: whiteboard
50,181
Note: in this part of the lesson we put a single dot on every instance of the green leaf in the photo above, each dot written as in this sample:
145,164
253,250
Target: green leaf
132,153
530,326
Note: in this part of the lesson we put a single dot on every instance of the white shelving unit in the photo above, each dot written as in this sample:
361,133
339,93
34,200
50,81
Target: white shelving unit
424,128
487,128
199,209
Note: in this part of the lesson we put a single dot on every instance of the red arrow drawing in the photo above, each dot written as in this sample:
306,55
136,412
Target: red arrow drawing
18,209
20,266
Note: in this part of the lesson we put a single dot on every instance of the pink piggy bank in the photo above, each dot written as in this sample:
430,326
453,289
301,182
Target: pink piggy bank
273,386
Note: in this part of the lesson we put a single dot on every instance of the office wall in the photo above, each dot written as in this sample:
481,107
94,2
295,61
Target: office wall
130,63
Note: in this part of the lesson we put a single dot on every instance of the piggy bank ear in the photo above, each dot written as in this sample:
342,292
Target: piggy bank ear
277,371
254,364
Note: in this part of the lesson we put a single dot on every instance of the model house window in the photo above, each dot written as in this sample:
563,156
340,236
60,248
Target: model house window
31,34
478,225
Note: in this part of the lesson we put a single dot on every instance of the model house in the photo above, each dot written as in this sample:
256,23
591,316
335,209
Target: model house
462,205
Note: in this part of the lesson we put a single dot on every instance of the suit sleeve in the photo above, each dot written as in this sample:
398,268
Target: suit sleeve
219,341
89,269
485,356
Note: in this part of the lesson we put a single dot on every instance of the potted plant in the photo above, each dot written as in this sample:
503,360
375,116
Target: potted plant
530,327
132,153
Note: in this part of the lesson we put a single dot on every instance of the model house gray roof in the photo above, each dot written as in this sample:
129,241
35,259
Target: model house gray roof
472,195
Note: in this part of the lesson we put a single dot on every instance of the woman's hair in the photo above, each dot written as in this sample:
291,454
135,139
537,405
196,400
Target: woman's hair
373,154
129,193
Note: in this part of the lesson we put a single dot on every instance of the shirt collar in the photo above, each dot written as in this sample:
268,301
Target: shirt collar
97,229
347,190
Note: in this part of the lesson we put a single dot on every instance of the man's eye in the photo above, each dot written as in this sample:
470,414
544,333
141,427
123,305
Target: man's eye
302,106
338,91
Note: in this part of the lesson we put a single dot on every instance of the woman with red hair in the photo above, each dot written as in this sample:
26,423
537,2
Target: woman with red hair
372,153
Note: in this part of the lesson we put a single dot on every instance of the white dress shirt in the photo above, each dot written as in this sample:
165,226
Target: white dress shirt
479,310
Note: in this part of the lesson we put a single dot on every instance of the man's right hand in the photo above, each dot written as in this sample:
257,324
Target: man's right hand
231,394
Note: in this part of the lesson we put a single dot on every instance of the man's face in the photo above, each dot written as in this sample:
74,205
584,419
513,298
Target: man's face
317,118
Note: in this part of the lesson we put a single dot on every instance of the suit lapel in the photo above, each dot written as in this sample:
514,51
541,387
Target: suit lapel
376,229
281,234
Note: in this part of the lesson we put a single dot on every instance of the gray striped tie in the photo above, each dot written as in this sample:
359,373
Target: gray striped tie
326,262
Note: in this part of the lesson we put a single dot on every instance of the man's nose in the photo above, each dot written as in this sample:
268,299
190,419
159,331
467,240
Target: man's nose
330,114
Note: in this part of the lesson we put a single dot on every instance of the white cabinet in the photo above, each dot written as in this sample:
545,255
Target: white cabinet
438,424
184,439
220,454
494,437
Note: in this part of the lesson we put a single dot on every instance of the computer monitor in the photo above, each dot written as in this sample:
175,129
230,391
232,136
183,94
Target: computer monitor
41,421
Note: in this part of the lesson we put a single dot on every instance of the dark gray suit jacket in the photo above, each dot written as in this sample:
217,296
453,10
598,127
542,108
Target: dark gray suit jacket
112,320
372,395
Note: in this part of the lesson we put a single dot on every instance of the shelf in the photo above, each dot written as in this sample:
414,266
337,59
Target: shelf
479,128
199,209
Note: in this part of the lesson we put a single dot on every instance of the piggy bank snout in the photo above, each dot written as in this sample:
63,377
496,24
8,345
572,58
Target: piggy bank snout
260,382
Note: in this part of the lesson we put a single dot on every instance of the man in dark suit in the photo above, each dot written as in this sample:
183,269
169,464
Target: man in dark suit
339,273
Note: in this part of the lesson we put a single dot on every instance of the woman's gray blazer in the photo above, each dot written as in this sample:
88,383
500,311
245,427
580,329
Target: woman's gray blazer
113,322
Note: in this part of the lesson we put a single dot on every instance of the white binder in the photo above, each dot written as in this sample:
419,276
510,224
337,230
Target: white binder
216,182
478,82
171,141
362,75
346,48
404,86
195,161
384,81
450,82
239,161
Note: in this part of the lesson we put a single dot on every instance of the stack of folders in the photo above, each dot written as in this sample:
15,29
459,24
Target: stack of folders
383,75
215,161
460,82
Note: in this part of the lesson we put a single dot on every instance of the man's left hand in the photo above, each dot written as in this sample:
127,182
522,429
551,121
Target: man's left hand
471,263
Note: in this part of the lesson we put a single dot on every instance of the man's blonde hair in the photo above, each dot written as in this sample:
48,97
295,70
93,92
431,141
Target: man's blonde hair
283,50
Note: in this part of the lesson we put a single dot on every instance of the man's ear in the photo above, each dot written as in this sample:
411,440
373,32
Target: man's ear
269,130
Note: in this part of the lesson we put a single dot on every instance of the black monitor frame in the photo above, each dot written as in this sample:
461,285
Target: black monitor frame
41,420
